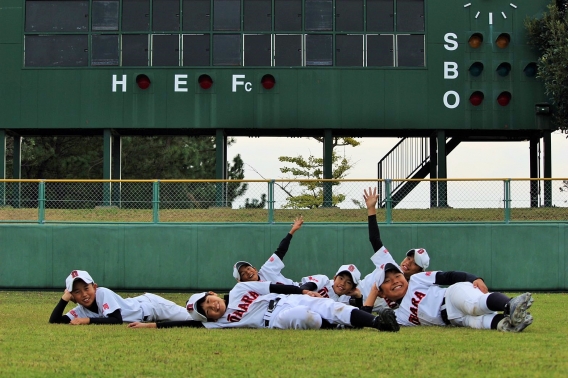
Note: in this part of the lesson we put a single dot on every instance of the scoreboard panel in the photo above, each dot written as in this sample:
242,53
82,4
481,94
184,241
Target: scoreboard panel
268,65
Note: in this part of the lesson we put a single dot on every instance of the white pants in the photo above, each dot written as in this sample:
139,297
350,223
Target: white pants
305,312
156,308
467,306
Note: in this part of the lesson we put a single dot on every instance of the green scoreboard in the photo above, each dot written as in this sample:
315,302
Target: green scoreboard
268,67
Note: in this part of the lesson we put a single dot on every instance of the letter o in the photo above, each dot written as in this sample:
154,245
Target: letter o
457,101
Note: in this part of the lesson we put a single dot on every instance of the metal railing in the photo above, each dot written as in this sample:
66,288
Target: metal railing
261,201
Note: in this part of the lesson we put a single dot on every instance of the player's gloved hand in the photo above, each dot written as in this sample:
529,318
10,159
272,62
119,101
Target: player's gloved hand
386,321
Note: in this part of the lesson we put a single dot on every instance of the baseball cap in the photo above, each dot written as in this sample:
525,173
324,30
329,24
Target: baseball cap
352,270
379,273
77,275
420,257
193,306
236,268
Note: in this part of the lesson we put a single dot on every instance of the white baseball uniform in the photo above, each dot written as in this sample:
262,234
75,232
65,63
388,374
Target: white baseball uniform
325,288
248,307
147,307
382,256
271,271
466,306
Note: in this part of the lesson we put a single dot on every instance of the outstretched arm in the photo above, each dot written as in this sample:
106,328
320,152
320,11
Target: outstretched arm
285,243
172,324
371,198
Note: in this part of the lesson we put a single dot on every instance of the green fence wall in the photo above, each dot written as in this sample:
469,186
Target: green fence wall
188,257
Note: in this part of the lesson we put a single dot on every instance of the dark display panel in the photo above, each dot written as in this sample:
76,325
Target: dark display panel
165,50
196,51
105,15
410,15
319,50
349,50
165,15
410,50
380,51
56,50
258,51
287,50
257,15
380,16
104,50
135,50
57,16
226,49
135,15
349,15
287,15
196,15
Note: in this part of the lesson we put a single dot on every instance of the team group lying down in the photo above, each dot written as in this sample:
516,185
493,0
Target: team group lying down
391,296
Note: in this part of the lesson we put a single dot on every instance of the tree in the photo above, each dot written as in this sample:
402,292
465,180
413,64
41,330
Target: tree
150,157
312,195
549,34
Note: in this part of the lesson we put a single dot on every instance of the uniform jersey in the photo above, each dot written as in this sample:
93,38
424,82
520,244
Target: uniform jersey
325,288
108,302
271,271
382,256
422,302
248,303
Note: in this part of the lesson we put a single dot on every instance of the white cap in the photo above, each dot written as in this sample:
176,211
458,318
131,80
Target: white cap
193,306
352,270
77,275
236,268
421,257
379,273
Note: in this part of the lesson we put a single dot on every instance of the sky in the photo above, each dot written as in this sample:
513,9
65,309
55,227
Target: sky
467,160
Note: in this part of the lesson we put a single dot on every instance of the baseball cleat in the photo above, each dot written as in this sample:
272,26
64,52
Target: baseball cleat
386,321
505,324
517,308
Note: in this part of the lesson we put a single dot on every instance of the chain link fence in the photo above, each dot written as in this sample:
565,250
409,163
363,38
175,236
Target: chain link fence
161,201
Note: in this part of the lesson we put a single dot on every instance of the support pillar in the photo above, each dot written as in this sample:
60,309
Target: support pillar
533,156
433,172
107,166
442,173
17,171
2,167
116,154
547,144
220,166
327,168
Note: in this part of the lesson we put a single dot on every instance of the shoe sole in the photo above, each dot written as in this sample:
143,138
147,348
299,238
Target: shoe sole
520,312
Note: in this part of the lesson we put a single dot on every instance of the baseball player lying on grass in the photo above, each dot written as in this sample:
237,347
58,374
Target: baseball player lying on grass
423,302
266,305
99,305
343,287
271,270
416,260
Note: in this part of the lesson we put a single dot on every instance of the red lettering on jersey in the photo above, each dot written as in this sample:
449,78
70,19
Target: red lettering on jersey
324,292
417,298
106,306
73,313
74,274
271,259
414,320
391,304
246,300
312,279
428,274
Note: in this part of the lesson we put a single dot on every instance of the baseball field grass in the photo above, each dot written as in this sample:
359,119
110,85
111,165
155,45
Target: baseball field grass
31,347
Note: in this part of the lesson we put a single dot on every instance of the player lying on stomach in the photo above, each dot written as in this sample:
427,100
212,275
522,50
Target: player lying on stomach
99,305
416,260
422,301
244,271
266,305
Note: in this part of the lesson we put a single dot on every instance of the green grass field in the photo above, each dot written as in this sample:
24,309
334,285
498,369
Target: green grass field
31,347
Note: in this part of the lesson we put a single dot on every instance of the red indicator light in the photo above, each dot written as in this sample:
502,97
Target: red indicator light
503,40
205,81
476,98
268,81
504,98
143,81
475,40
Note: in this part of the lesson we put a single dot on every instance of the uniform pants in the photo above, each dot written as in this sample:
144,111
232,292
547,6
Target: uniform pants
305,312
156,308
467,306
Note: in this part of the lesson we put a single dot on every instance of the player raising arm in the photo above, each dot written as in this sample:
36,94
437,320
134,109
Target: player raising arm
266,305
244,271
99,305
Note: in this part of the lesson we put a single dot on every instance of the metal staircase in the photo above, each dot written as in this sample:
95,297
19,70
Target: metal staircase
408,159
